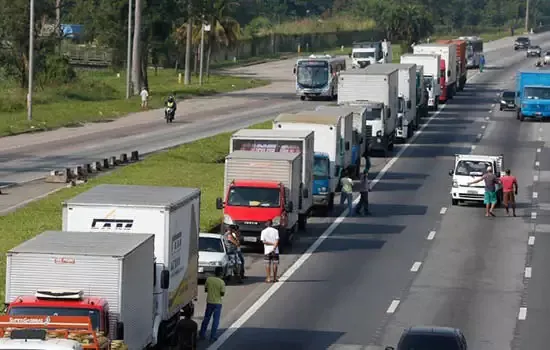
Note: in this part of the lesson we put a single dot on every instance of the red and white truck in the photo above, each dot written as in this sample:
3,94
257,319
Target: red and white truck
448,65
461,60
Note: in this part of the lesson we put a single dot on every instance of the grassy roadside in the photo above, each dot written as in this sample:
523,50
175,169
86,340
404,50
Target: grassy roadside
99,95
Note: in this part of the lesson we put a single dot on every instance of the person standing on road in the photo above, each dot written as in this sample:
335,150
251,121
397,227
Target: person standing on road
188,330
214,287
233,237
270,238
347,192
481,63
490,199
364,188
144,97
510,191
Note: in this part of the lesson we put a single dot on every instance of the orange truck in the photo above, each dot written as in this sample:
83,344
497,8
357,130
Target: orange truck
50,332
462,72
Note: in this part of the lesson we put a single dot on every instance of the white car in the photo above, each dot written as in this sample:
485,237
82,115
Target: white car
213,253
547,57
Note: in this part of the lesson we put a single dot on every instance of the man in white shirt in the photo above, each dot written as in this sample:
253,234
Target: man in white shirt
270,239
144,97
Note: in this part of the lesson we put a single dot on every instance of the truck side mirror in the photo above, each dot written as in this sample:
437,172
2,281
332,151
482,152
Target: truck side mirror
219,203
451,172
347,146
449,73
165,279
409,104
306,193
119,327
289,207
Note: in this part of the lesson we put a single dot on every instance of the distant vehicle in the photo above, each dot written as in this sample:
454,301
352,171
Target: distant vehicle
508,100
431,338
474,50
547,57
522,43
317,76
534,50
213,252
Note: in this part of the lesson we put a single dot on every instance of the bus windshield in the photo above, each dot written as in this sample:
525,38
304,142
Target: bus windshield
312,74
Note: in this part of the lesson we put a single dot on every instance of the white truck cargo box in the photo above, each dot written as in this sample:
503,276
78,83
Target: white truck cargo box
170,213
115,266
448,54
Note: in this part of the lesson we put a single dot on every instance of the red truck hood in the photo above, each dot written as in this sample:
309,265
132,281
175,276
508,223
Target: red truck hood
252,213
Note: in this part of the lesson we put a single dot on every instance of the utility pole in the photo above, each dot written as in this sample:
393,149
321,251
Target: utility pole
136,54
31,60
204,28
189,38
129,53
527,16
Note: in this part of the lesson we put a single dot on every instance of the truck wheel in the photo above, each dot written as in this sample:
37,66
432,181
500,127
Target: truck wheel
521,117
454,201
303,98
302,222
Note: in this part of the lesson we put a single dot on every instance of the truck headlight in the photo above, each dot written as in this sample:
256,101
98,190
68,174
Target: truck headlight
227,220
323,189
276,221
503,102
455,183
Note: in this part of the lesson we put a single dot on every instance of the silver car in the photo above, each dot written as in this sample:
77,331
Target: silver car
213,252
547,57
534,50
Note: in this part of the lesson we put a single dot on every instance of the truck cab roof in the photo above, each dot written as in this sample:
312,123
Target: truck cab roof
255,183
310,117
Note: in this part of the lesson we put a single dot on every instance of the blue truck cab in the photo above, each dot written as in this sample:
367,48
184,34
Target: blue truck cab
323,182
533,94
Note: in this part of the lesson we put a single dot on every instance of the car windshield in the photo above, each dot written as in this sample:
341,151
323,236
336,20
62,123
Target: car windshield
428,342
537,93
363,54
534,47
508,94
56,311
320,168
210,244
254,197
471,167
522,39
312,74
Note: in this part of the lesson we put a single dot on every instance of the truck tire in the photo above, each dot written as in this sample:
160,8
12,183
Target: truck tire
302,222
521,117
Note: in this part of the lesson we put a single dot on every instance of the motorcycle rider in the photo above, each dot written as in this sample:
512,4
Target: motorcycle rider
232,236
171,103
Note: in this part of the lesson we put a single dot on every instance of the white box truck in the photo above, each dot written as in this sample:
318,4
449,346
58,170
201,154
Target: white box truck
407,119
105,276
377,85
448,56
262,186
270,140
332,149
172,214
432,74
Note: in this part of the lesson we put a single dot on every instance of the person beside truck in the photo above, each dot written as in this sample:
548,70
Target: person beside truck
364,189
233,237
490,199
270,239
510,191
347,193
214,287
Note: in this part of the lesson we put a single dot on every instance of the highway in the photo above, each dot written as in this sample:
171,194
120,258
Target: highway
418,260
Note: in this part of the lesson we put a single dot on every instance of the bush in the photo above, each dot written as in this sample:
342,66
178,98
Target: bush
56,70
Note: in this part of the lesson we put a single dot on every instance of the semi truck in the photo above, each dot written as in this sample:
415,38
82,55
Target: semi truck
332,146
408,119
448,65
378,86
172,215
533,94
104,277
262,186
365,53
462,70
272,140
433,81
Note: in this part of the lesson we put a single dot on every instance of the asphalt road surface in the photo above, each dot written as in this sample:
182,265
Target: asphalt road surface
418,260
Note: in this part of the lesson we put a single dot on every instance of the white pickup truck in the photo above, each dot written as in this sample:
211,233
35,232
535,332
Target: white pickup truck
468,168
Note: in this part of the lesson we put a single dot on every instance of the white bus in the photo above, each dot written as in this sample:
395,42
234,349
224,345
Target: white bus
317,76
474,50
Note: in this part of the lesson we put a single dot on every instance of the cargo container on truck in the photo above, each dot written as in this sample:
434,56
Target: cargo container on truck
104,276
462,71
272,140
330,142
448,57
377,84
262,186
432,74
422,94
533,94
365,53
407,118
172,215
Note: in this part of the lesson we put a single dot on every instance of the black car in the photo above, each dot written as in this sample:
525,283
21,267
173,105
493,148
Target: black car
507,100
522,43
431,338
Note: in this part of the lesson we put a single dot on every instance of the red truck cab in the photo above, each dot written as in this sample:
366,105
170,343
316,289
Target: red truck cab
462,72
443,81
251,203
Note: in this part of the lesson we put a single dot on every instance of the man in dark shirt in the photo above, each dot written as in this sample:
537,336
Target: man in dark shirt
490,199
188,330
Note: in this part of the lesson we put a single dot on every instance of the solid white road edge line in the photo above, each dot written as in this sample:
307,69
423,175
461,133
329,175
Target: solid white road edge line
416,266
292,269
393,306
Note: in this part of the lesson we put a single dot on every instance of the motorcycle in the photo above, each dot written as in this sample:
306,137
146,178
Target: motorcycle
169,114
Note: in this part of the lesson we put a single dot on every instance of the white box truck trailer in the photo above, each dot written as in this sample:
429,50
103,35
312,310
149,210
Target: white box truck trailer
448,56
407,119
172,215
293,141
105,276
432,74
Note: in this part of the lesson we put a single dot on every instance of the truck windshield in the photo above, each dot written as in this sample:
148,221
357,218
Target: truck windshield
432,342
471,167
56,311
537,93
374,114
363,54
254,197
312,74
428,81
320,168
210,244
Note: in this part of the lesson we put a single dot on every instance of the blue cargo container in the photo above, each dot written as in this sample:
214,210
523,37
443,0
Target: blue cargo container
533,94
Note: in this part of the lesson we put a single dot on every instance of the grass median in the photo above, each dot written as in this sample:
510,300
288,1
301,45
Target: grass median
99,95
197,164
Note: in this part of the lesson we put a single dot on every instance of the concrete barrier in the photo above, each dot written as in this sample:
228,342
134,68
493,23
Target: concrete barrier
105,163
89,168
59,176
134,157
96,167
113,161
123,158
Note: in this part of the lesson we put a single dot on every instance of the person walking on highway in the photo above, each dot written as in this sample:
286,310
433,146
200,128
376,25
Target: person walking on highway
214,287
347,192
481,63
270,238
144,97
188,329
364,188
510,191
490,199
233,237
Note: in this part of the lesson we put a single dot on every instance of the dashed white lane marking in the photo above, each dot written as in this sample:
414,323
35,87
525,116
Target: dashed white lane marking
535,178
533,215
531,240
537,163
540,138
393,306
416,266
498,93
490,111
443,210
522,314
493,105
528,272
535,195
538,150
473,147
431,235
487,118
483,126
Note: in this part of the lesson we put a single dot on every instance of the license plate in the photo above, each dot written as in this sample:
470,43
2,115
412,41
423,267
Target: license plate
201,269
250,239
472,192
510,105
